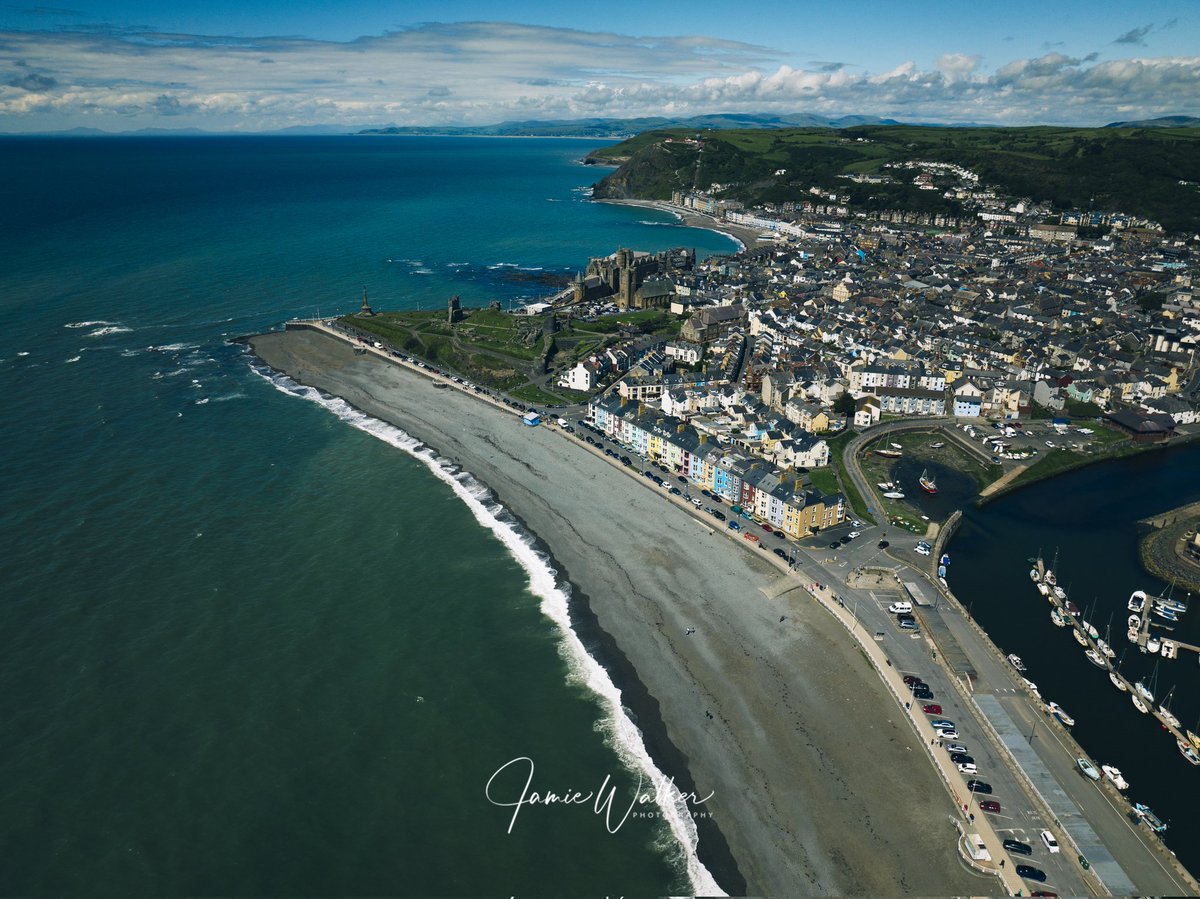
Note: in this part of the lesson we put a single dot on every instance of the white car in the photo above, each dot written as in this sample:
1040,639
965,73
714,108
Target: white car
1050,444
968,768
923,550
947,734
854,534
1048,839
856,524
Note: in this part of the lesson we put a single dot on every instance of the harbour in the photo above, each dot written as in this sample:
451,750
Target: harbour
1090,515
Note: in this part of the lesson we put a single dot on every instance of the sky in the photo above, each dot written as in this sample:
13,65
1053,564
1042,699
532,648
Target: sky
261,65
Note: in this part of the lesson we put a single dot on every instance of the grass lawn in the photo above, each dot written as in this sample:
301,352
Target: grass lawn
531,393
825,480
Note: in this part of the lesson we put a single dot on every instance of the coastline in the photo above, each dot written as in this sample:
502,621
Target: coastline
744,237
797,802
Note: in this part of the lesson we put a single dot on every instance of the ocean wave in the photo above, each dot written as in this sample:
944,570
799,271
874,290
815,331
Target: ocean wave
94,324
504,265
201,402
173,347
421,271
543,583
457,264
73,359
661,224
109,329
232,396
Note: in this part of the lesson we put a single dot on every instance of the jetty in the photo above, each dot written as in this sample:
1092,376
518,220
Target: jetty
1143,637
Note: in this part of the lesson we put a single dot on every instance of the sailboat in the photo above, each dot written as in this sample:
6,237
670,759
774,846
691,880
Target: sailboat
1164,711
1096,659
1188,752
1117,682
928,484
1138,704
1057,618
1143,691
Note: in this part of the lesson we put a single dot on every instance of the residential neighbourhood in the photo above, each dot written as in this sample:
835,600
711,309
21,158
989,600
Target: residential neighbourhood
848,320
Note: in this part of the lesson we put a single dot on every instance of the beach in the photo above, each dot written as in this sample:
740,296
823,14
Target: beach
818,784
748,237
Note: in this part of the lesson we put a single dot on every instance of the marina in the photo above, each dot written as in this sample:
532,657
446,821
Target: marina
1098,652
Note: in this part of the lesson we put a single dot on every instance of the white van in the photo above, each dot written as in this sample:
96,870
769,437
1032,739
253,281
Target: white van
900,608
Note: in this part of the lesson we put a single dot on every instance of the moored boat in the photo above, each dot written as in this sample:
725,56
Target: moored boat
1143,691
1170,649
1152,643
888,453
1079,637
1057,618
1132,634
1015,661
928,484
1164,614
1090,630
1043,589
1071,608
1105,650
1138,704
1057,711
1137,601
1117,682
894,494
1167,718
1195,739
1143,814
1188,751
937,445
1134,622
1114,774
1096,659
1060,592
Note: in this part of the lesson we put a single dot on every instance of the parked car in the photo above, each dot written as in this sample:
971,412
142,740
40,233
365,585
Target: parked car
954,747
922,550
883,544
931,708
779,552
734,526
990,805
719,516
1048,839
911,680
978,786
853,534
941,724
967,768
908,624
1031,873
922,692
1018,847
960,758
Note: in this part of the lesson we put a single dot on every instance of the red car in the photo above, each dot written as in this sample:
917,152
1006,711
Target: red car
932,709
990,805
768,529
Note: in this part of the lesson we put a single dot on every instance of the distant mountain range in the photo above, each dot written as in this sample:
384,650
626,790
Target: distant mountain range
598,127
1167,121
627,127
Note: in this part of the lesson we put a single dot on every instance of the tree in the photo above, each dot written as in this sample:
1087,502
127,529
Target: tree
844,405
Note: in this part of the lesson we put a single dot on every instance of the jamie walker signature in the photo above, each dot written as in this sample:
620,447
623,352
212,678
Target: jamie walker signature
603,800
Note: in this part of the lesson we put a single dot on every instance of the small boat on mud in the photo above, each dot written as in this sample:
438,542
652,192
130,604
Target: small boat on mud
888,453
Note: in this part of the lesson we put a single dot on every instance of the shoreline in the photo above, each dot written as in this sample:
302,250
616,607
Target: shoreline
800,809
743,237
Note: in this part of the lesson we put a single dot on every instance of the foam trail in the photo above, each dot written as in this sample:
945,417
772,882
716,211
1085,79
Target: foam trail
87,324
543,583
109,329
74,359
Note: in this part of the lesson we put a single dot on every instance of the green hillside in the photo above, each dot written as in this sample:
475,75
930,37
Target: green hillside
1134,170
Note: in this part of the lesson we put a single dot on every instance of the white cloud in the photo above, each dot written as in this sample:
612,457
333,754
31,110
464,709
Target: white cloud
478,73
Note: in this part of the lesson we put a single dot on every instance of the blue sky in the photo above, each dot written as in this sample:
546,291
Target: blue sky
256,65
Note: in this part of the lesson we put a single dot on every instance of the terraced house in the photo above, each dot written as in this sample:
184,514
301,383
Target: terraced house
781,498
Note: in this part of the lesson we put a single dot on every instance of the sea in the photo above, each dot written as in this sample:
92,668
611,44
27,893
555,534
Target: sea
251,640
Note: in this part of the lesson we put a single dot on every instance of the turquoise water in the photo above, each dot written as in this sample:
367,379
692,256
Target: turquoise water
245,646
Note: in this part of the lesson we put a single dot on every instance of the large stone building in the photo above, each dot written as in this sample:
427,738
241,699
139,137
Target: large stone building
636,280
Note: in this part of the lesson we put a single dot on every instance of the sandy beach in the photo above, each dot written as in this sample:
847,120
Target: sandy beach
747,237
820,787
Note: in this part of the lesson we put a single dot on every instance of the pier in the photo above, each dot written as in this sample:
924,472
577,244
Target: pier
1169,650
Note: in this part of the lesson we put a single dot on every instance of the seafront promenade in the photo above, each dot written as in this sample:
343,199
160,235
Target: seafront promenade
1122,858
802,744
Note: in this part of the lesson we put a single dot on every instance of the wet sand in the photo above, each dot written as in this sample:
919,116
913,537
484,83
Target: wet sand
821,788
